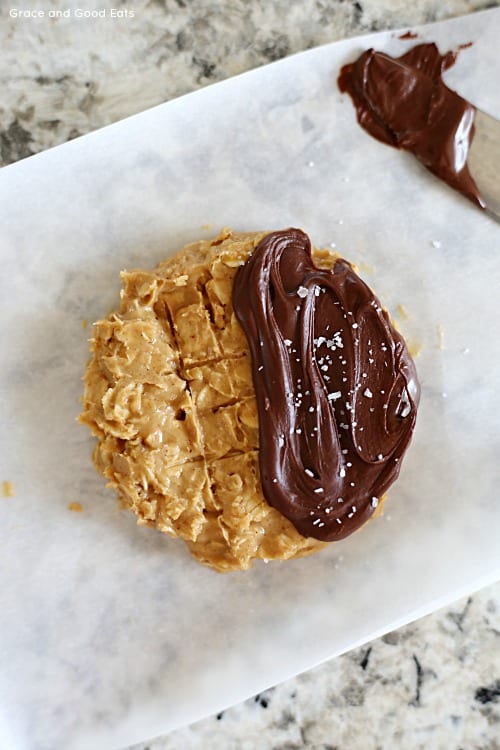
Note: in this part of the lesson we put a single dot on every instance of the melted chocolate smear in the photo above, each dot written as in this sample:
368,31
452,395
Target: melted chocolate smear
404,102
336,388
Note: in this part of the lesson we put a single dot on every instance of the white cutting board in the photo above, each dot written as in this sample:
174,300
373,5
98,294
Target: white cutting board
110,633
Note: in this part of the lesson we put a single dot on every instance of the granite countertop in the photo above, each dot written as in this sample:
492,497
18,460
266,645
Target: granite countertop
432,684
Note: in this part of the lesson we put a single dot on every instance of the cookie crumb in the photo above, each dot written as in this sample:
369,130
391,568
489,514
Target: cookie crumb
414,347
7,489
85,323
365,267
75,507
402,312
440,333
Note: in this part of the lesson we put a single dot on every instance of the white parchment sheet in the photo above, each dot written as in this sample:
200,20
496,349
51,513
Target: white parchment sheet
110,633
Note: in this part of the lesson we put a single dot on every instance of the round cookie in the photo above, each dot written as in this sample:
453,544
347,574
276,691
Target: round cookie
250,396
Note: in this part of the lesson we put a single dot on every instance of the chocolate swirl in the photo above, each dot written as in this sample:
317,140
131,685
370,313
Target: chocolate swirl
336,388
404,102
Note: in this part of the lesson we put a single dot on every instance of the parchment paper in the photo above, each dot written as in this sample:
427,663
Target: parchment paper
110,633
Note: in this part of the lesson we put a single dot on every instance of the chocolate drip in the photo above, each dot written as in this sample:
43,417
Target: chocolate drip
404,102
336,388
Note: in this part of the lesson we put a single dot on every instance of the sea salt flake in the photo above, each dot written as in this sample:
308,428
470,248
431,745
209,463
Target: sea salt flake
302,291
374,502
334,396
367,392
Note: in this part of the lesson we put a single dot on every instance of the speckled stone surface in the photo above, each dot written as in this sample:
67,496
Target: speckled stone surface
432,684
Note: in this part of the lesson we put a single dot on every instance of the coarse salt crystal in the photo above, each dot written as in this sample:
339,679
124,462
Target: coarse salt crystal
334,396
367,392
302,291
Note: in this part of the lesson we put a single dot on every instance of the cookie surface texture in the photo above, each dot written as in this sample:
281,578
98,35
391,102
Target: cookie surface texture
169,396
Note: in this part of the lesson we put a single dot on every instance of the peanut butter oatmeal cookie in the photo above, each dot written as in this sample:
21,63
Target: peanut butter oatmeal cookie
173,395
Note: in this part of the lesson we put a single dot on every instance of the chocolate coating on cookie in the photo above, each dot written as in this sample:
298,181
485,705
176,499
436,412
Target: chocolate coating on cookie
337,391
404,102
